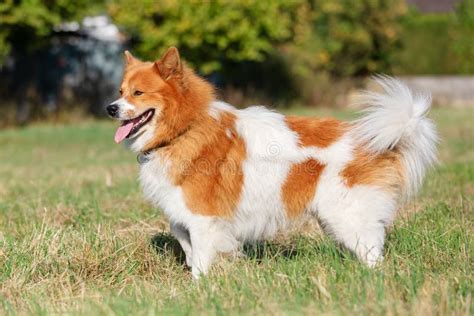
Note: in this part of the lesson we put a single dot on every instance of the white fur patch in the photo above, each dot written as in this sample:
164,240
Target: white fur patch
124,107
271,150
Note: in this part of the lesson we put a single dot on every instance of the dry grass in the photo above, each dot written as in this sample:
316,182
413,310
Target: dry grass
76,237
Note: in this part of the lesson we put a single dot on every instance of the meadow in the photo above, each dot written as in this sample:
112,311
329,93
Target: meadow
76,237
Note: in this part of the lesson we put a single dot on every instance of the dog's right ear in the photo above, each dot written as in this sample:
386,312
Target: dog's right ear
129,59
170,64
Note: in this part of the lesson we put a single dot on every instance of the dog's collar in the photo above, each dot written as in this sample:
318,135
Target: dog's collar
143,157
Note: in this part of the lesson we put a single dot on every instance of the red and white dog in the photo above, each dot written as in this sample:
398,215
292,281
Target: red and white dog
224,176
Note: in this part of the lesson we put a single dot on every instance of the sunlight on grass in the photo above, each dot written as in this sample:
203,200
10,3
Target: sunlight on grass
76,236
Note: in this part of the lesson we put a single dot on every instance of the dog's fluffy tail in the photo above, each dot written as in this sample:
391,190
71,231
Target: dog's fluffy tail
396,120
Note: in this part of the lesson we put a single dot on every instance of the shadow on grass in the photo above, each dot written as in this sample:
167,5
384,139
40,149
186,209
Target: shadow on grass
263,250
166,244
294,249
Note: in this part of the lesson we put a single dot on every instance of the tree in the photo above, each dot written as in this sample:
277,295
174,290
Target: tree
25,24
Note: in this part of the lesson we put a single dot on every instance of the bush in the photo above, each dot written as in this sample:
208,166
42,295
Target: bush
21,23
346,39
25,25
352,38
463,37
425,45
437,44
208,33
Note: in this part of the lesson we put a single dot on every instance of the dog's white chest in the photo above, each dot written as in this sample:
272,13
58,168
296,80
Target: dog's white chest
159,190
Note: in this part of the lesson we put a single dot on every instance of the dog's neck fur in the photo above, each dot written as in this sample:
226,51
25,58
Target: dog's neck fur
191,96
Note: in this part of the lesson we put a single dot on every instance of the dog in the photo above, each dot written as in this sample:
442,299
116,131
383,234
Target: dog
225,176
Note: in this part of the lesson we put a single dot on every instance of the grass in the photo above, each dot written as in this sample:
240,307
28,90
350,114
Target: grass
76,237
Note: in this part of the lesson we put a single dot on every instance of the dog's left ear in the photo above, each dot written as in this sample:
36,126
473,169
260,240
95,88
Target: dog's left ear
170,64
129,59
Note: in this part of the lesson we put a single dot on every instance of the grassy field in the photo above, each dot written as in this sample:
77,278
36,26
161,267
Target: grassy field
77,237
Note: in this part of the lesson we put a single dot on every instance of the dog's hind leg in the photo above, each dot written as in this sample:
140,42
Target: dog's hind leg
359,222
366,241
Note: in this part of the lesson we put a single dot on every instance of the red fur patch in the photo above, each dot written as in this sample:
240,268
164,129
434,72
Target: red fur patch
316,132
207,164
300,186
384,170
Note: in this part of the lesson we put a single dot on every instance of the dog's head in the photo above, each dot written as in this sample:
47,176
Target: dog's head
159,101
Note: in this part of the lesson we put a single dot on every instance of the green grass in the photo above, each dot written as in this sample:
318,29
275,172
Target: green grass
77,237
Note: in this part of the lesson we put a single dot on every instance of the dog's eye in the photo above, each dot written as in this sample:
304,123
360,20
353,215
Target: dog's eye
120,91
137,93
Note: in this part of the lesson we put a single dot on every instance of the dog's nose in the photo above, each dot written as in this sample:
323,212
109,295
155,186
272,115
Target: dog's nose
112,110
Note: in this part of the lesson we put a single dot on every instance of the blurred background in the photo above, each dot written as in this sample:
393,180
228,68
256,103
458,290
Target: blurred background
63,60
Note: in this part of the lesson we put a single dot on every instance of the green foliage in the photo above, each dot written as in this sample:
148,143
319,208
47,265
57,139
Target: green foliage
345,39
276,48
463,38
438,43
428,35
208,33
341,37
24,24
355,37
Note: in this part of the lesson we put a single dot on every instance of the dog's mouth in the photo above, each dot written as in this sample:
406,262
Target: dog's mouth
131,127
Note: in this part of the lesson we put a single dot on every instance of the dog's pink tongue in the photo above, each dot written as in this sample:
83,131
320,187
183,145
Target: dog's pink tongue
123,131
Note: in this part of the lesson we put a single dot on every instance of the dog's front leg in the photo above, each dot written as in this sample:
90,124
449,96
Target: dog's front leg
203,239
182,235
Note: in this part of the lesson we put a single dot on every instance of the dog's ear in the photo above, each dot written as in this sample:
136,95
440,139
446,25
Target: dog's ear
170,64
129,59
